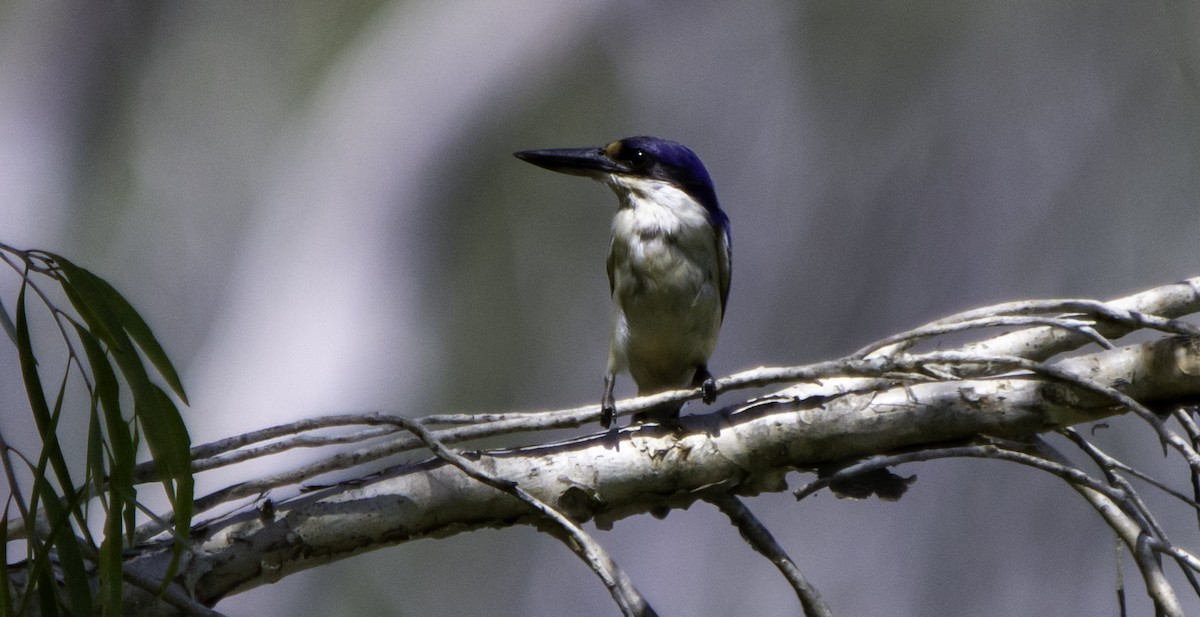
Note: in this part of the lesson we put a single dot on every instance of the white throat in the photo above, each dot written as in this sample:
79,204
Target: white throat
654,206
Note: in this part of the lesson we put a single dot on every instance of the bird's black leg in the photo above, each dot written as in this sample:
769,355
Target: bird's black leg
704,380
607,406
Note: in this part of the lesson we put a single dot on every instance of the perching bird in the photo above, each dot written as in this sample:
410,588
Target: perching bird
668,266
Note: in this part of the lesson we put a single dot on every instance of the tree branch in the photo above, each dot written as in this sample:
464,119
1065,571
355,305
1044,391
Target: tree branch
591,478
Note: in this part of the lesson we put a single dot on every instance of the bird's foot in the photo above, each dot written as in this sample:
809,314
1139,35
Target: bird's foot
607,411
608,405
709,391
708,386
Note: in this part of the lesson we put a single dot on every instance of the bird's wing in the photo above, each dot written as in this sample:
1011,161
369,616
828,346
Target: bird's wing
609,267
724,266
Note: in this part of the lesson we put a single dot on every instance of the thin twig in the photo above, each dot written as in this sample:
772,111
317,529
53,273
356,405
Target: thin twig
234,450
1147,520
986,451
1166,301
396,445
761,539
1180,555
291,443
1184,418
904,340
1104,459
1109,312
224,446
1120,570
1138,508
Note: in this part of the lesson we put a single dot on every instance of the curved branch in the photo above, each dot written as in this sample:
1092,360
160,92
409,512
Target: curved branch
649,467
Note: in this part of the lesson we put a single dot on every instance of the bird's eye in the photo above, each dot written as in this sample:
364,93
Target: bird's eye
636,157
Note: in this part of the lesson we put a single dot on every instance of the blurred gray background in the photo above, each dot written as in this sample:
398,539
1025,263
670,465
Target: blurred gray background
315,206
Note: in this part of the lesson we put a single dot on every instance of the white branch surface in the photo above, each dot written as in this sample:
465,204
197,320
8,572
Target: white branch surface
607,477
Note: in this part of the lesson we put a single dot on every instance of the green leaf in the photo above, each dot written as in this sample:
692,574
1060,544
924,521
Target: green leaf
51,449
165,433
41,574
101,321
170,445
6,323
120,477
110,318
111,557
95,475
71,495
107,392
111,333
6,605
116,312
70,558
47,595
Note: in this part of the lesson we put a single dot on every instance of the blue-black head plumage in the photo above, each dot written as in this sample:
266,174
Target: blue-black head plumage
672,162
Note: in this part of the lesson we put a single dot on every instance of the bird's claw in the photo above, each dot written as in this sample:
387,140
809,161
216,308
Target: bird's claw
607,411
708,385
708,391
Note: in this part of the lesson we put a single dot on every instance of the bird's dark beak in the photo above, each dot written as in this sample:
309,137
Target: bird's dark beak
589,162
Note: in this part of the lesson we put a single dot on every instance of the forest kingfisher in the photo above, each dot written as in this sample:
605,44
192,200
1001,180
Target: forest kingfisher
668,265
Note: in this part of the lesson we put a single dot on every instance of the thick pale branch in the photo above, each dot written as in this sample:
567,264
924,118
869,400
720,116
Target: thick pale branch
607,477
